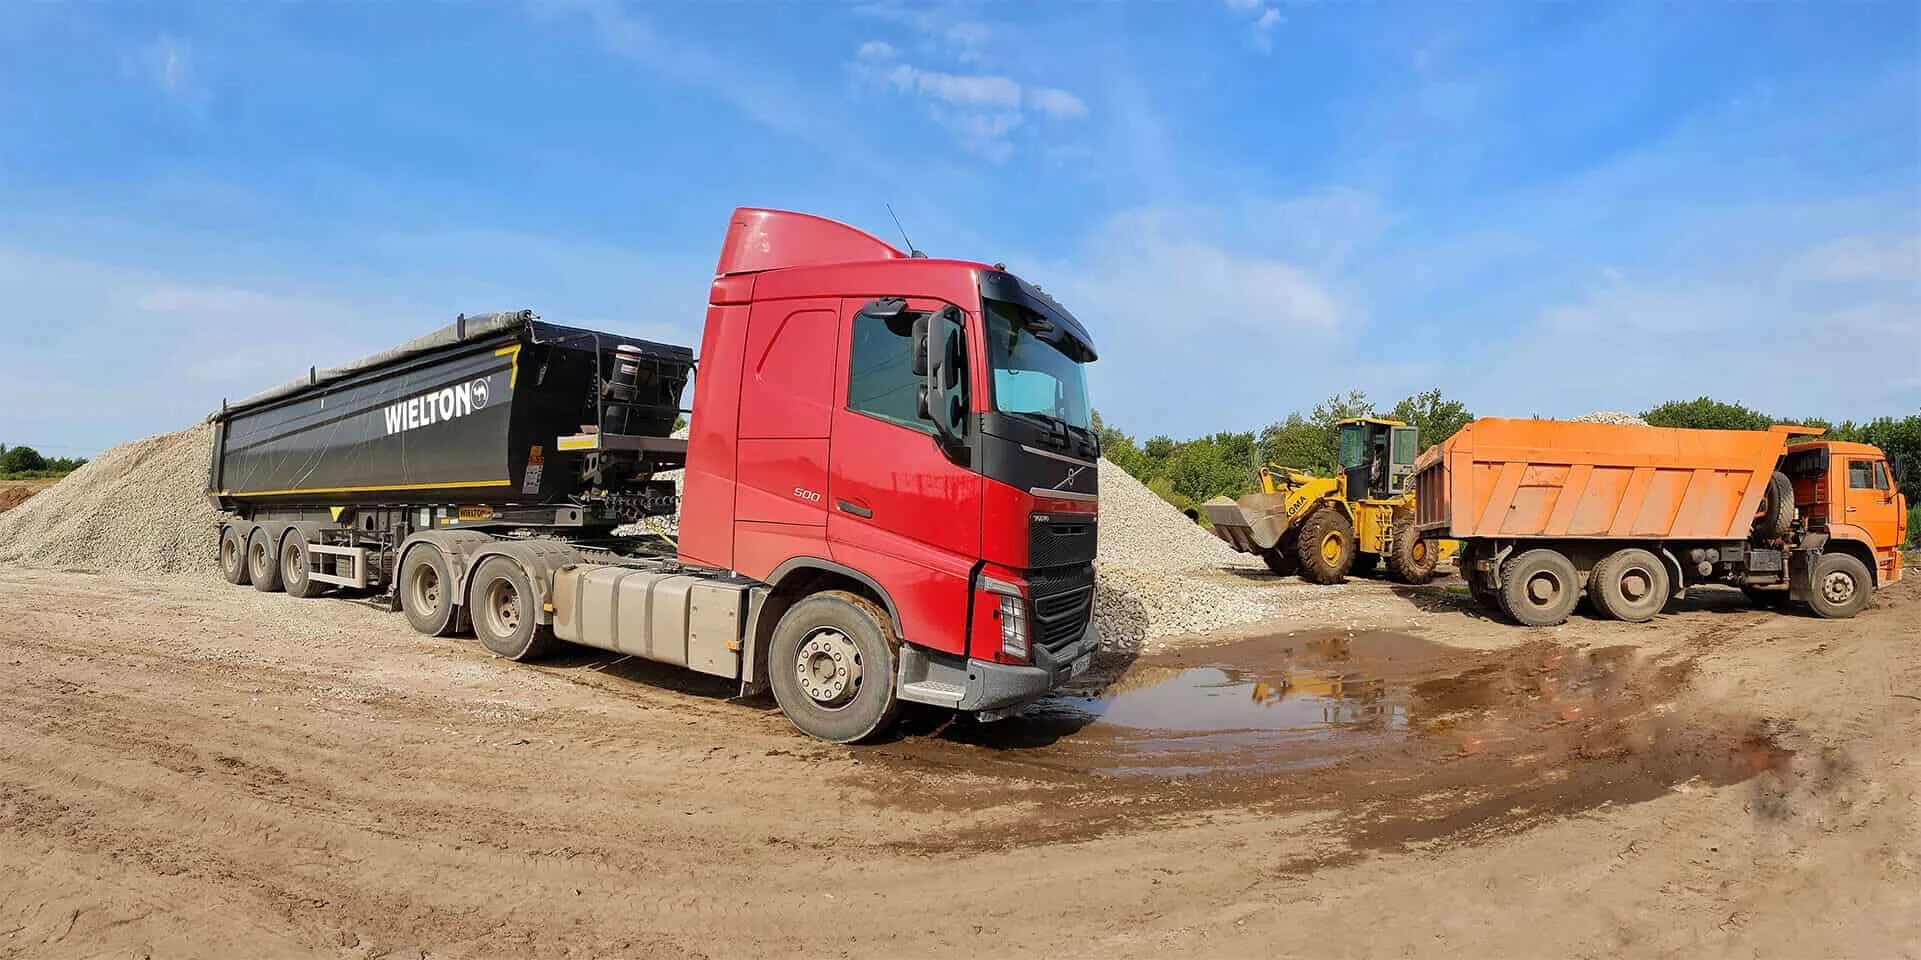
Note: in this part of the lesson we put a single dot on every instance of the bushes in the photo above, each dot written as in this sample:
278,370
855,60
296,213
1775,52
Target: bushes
26,463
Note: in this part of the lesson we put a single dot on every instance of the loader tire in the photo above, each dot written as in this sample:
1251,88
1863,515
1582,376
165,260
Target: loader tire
1325,548
1539,587
1281,562
1776,516
1414,557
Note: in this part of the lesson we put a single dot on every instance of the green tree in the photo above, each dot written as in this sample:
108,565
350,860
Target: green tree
1434,416
21,460
1704,413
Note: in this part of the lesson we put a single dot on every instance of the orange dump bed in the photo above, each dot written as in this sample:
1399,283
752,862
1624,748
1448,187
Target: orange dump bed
1552,478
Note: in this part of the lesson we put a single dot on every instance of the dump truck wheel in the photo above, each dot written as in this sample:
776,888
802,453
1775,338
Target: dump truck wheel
427,592
1325,547
294,560
263,562
1364,563
1776,516
233,557
506,615
832,667
1539,587
1839,586
1629,585
1414,556
1280,562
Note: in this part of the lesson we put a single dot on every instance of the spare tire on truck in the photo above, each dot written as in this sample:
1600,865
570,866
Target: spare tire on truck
1775,518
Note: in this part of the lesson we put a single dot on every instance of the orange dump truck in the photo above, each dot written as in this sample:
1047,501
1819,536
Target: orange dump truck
1632,516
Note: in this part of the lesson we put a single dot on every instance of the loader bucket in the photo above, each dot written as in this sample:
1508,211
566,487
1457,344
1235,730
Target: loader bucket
1252,524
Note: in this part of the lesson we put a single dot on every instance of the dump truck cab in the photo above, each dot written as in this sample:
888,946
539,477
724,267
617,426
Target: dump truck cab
912,431
1849,493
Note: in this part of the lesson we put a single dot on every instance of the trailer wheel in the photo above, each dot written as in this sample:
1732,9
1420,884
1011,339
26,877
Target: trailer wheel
1630,584
1280,561
832,667
427,591
1325,548
1839,586
233,557
1539,587
506,616
263,561
294,561
1414,556
1776,516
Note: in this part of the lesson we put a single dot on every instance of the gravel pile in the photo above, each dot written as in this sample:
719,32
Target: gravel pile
140,507
1609,416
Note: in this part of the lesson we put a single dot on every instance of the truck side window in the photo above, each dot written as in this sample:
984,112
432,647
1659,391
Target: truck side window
1880,476
1860,475
880,371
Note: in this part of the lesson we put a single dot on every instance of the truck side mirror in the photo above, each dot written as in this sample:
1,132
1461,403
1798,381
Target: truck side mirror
919,340
943,395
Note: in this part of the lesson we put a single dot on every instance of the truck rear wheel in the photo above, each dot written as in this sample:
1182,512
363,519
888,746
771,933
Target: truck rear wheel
1413,558
832,667
263,561
1630,584
500,601
1280,562
1539,587
1325,548
294,560
233,557
1839,586
427,591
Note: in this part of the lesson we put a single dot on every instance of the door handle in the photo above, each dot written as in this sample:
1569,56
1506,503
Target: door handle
856,509
1850,510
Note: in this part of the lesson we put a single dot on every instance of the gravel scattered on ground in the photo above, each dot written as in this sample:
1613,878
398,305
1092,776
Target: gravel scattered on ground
1610,416
140,507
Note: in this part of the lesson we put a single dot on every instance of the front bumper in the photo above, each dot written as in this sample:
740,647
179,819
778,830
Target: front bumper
999,686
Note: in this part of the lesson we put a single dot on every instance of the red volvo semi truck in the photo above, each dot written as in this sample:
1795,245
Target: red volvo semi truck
889,492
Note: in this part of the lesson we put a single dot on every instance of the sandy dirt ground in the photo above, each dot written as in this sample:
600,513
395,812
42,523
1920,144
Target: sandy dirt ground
190,769
16,492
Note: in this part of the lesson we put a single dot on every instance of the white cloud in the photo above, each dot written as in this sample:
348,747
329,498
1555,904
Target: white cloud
167,64
876,50
1265,19
1058,104
983,91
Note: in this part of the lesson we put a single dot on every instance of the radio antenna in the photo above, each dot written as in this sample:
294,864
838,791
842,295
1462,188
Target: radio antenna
903,232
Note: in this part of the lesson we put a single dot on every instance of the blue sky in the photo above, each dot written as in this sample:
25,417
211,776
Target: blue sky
1539,208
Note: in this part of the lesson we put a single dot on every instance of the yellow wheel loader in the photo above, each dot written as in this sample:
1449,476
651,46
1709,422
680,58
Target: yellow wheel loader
1325,527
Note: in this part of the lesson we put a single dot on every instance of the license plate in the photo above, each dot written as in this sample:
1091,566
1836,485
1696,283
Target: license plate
1080,665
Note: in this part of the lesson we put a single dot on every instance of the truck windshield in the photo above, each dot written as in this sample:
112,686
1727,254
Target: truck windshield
1031,375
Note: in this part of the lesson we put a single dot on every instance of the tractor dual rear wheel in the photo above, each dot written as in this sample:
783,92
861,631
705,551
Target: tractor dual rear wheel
1325,548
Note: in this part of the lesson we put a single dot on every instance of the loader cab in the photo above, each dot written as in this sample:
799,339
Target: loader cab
1377,457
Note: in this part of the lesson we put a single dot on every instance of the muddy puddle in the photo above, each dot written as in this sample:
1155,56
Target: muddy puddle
1407,739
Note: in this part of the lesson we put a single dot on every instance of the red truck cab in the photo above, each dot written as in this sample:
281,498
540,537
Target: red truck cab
906,437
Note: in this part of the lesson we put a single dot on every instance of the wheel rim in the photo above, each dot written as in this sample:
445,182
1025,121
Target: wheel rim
828,668
1419,551
259,555
1837,587
1331,547
229,554
500,607
1544,589
294,565
1637,584
426,589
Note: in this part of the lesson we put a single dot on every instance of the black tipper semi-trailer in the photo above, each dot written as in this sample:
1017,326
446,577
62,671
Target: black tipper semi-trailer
501,423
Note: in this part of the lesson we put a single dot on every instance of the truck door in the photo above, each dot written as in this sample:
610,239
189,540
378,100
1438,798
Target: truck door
1871,503
898,508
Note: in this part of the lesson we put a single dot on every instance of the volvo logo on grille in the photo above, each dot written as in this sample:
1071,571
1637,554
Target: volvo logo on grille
1071,474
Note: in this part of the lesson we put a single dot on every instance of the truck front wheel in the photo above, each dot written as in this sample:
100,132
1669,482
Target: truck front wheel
1840,586
832,667
1539,587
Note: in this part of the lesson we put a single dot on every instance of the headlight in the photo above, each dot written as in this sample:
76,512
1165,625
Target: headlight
1013,627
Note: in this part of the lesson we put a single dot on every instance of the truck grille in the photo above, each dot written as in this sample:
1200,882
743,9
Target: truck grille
1063,602
1058,539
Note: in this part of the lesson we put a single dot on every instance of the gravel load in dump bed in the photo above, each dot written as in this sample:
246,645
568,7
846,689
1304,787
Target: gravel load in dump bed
1609,416
139,507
